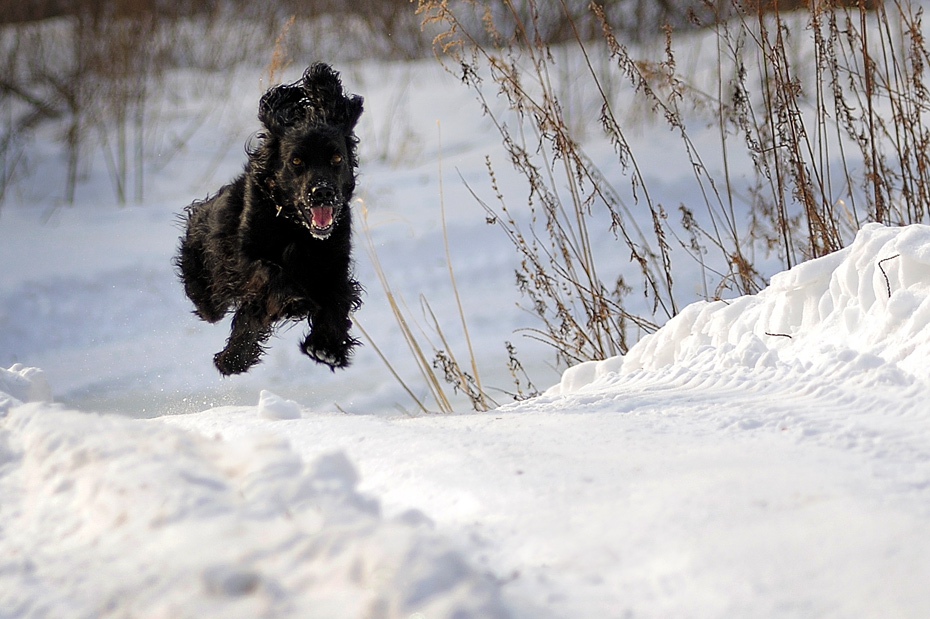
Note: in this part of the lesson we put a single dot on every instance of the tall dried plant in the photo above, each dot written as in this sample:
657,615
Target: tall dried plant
832,143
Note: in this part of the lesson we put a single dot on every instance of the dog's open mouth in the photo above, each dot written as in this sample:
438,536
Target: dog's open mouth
321,218
318,219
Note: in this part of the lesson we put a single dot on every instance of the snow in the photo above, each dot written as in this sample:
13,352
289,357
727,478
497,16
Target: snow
20,384
123,517
764,456
272,406
713,471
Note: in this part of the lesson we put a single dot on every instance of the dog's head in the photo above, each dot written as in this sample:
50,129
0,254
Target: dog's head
309,150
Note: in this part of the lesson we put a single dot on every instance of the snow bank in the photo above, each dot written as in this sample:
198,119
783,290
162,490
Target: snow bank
861,314
109,516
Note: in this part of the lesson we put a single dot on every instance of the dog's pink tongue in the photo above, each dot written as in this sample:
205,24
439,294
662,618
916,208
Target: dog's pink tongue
322,216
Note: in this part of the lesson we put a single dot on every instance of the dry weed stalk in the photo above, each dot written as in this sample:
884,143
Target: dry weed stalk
443,366
280,58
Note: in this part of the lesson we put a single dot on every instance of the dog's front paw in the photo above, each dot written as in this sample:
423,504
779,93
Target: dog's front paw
326,358
334,356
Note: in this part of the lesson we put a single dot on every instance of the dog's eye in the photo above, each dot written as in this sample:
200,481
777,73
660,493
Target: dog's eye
297,161
337,159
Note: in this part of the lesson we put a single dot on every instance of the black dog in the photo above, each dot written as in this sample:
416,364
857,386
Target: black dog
274,245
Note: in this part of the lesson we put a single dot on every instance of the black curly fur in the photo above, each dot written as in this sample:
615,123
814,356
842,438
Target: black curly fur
275,244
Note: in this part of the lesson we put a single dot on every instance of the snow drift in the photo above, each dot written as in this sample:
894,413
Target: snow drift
861,313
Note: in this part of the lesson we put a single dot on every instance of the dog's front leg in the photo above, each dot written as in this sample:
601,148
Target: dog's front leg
250,330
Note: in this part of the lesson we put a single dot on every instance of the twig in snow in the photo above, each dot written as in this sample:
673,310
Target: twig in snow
882,269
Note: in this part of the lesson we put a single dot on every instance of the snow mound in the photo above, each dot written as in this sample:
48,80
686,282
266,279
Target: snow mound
21,384
861,314
273,406
124,517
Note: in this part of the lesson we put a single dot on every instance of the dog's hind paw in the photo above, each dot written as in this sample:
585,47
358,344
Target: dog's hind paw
229,363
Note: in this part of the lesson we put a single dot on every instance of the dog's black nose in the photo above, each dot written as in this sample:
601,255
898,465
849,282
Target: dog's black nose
322,193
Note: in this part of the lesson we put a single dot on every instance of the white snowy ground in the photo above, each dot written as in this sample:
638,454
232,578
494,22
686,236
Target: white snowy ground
767,456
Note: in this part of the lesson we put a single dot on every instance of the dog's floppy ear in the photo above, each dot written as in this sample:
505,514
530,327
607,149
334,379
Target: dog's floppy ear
327,101
352,112
282,107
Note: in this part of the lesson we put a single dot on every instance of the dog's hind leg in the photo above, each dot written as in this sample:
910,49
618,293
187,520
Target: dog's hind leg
197,280
244,348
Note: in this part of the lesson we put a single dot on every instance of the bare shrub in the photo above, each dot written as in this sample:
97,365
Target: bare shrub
91,73
96,70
